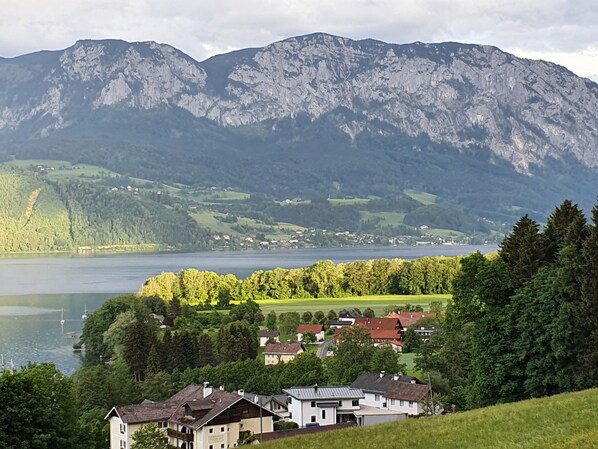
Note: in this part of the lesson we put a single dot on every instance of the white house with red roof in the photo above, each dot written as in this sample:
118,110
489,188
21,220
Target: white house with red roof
317,329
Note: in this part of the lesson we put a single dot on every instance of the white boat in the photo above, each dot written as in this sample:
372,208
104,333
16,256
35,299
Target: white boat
62,315
84,316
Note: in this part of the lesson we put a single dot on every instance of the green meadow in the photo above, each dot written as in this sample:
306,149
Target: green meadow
375,302
558,422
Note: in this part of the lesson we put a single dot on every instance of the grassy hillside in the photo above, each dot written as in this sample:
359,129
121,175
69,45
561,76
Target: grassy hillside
32,217
40,213
559,422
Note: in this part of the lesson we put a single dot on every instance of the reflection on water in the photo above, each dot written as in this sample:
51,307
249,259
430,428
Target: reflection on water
20,311
29,332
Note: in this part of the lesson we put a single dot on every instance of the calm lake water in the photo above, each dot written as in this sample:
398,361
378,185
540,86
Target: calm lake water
36,291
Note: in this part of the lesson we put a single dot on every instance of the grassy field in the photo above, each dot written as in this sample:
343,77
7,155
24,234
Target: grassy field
559,422
422,197
376,303
386,218
207,218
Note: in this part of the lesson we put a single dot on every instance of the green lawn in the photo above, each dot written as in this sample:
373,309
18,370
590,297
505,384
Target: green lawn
386,218
559,422
422,197
349,201
376,303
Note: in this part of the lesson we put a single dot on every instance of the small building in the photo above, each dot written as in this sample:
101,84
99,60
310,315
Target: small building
322,406
338,324
381,329
268,335
282,352
395,345
276,403
317,329
393,392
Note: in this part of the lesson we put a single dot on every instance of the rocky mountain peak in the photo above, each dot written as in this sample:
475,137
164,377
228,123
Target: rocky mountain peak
461,95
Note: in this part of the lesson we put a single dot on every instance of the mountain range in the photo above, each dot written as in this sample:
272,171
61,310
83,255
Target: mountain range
315,116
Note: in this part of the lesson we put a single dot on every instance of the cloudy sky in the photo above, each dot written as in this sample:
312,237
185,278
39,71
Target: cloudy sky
565,32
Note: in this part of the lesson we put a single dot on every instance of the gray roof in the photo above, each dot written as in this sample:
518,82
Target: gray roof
324,393
380,383
157,411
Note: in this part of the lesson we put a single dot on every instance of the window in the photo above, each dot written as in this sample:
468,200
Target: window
222,429
323,414
222,446
290,415
392,402
123,428
211,430
123,444
211,447
410,404
376,397
355,402
313,404
340,403
163,424
313,418
401,403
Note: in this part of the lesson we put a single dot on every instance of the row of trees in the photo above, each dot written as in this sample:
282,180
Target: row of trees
524,324
427,275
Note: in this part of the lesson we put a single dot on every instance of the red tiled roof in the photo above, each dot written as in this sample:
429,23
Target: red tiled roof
315,328
381,328
408,319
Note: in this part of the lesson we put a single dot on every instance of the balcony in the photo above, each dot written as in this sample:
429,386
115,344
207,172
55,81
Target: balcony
188,437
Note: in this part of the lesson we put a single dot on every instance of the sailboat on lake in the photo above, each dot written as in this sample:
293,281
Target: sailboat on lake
84,316
62,315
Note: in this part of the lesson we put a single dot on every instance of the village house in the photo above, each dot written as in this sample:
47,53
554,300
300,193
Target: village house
321,406
381,330
275,353
410,319
393,392
317,329
195,418
267,335
330,406
276,403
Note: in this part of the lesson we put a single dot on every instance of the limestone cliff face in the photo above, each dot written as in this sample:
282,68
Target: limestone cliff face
525,111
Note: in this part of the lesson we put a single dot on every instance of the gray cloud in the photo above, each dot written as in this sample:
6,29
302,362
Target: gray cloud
556,29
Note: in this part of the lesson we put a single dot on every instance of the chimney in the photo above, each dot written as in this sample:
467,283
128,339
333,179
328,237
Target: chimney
221,387
395,377
241,393
413,381
207,389
316,388
382,373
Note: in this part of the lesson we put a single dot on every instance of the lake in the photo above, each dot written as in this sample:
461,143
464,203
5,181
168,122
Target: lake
36,291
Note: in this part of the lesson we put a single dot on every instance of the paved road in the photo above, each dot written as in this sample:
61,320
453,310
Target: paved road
323,349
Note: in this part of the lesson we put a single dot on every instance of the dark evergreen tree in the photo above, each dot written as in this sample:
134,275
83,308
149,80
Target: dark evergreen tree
557,228
174,307
153,360
523,250
588,316
136,345
205,351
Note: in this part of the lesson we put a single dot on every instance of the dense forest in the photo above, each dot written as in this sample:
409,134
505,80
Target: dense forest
523,324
